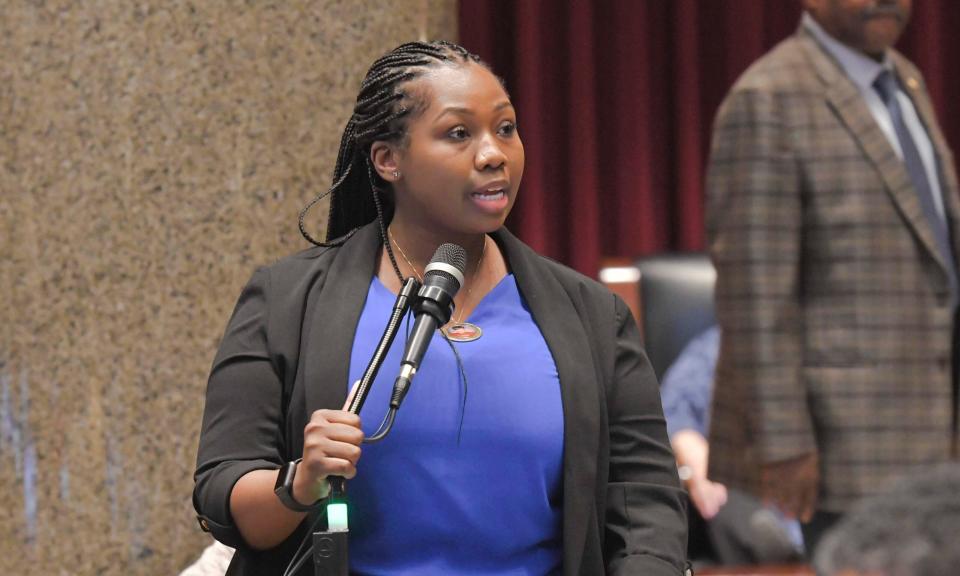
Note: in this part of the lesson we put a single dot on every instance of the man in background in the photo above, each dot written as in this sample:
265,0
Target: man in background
832,218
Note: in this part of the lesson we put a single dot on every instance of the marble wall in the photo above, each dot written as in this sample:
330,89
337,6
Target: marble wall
152,153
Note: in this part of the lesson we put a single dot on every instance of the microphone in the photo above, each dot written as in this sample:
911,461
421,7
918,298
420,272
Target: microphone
442,278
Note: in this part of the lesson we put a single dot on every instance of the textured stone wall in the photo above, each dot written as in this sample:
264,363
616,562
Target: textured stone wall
151,154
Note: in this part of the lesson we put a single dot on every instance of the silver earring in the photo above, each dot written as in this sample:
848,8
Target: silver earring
396,174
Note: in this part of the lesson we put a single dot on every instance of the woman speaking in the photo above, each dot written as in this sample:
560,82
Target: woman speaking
532,441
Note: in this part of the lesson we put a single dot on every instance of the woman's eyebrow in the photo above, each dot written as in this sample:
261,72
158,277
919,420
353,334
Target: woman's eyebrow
468,111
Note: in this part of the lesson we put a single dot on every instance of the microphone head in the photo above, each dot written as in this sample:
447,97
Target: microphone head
446,267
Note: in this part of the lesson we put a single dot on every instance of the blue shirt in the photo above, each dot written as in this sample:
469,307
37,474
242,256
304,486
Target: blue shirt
424,502
687,387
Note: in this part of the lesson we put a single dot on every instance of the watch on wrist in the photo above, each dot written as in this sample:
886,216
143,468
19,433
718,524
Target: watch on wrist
284,488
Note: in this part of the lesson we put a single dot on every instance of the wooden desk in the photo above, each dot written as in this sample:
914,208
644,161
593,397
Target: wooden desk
757,571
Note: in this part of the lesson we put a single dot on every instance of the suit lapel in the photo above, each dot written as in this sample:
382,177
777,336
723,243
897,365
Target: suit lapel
333,322
555,314
845,99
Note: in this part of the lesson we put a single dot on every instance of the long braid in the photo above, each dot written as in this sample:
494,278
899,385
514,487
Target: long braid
383,225
357,195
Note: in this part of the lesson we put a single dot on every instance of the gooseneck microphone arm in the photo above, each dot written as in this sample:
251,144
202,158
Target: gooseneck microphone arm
330,547
400,307
433,307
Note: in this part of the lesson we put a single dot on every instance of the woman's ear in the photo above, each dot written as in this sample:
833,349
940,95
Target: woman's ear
383,155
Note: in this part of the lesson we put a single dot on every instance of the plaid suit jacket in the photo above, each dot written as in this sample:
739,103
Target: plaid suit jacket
833,299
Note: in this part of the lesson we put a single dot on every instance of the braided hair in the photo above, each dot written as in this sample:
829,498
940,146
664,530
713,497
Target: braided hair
380,114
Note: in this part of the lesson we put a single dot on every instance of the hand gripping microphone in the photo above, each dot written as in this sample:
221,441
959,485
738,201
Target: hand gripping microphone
442,277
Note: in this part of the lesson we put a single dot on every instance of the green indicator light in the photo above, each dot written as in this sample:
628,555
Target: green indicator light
337,517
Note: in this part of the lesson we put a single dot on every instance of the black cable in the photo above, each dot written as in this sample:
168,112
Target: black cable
385,426
308,553
463,376
388,419
387,423
294,563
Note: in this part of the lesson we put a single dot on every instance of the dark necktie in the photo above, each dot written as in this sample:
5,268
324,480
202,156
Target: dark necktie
886,86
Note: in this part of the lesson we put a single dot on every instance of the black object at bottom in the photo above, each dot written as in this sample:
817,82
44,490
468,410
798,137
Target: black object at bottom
814,530
330,553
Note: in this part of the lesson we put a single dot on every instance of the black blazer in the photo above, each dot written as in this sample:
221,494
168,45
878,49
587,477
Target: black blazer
623,508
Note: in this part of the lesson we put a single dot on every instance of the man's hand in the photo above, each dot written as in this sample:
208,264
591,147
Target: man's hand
707,496
690,448
791,485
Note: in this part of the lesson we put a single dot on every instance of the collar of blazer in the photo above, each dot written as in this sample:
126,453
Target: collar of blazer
844,99
331,317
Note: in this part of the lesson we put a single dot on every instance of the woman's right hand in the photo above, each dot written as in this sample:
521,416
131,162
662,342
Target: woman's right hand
331,447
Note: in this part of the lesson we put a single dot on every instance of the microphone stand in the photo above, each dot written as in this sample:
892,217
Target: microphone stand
404,299
330,546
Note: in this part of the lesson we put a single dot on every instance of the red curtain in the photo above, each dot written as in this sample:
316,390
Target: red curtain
616,99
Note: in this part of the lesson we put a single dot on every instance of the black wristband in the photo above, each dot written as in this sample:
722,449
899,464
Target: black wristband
284,488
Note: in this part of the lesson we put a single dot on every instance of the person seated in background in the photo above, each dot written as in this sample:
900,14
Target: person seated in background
913,530
739,528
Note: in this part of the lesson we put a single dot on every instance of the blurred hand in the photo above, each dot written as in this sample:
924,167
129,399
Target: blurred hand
791,485
707,496
691,449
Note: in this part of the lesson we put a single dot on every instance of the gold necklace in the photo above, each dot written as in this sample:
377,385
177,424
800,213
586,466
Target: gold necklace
418,276
459,330
476,273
